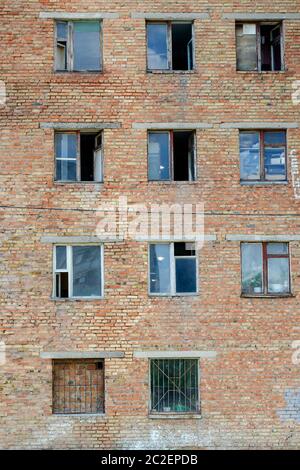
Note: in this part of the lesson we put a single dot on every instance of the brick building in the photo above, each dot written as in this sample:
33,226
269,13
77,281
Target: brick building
121,342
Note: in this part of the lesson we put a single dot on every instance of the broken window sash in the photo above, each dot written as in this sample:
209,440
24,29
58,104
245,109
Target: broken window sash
98,158
265,268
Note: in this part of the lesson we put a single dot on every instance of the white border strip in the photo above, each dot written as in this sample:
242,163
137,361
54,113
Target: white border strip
170,16
77,239
171,125
57,15
259,125
262,238
79,125
174,354
261,16
80,354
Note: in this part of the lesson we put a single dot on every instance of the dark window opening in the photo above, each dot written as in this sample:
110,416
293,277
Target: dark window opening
182,46
183,156
62,285
87,147
270,47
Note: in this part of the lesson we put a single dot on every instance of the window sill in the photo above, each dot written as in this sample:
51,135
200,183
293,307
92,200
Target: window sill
172,182
75,299
263,183
92,72
172,296
185,72
81,415
78,182
174,416
261,71
266,296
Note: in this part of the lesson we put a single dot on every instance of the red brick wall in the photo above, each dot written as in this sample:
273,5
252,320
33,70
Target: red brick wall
249,392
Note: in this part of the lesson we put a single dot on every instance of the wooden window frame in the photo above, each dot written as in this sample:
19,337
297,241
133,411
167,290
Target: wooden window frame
70,46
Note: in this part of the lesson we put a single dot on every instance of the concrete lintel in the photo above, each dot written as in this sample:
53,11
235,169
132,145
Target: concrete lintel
171,125
58,15
80,354
262,238
77,239
261,16
259,125
174,354
170,16
206,238
79,125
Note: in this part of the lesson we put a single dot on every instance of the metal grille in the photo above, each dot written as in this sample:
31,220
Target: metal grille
174,386
78,387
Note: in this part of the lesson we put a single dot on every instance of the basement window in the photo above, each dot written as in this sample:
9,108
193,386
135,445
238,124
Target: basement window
78,386
174,386
173,268
263,156
171,156
78,271
259,47
78,46
78,156
170,46
265,268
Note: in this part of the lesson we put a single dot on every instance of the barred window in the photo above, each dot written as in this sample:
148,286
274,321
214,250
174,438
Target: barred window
174,386
78,386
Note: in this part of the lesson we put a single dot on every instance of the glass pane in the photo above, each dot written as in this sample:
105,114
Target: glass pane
86,271
65,145
61,257
185,275
278,275
87,45
158,149
62,30
275,164
249,156
160,268
66,170
157,46
246,47
252,268
274,138
277,248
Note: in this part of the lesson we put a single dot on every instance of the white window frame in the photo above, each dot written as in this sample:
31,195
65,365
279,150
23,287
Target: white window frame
172,271
69,270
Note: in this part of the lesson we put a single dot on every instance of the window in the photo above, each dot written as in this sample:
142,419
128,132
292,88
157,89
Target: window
259,46
78,386
263,155
171,156
265,268
78,156
78,271
174,386
173,268
78,46
170,46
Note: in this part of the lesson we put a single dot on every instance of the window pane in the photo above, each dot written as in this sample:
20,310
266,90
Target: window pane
246,47
62,30
174,385
277,248
86,271
65,145
184,249
252,268
158,149
249,156
278,275
87,45
160,268
66,170
275,163
157,48
185,275
61,257
274,138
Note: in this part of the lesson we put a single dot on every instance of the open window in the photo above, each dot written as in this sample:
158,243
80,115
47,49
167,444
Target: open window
78,46
170,45
171,155
78,156
259,46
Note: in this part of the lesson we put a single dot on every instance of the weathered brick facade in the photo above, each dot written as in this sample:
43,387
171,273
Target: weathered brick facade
249,392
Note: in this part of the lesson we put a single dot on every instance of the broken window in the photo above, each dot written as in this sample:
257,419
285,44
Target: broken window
78,46
78,156
263,155
78,386
77,271
265,268
174,386
259,46
173,268
170,46
171,155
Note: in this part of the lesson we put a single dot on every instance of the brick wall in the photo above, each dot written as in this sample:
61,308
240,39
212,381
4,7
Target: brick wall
250,391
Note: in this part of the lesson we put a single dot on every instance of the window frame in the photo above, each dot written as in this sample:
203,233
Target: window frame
78,156
69,270
70,46
169,45
258,45
172,271
152,413
265,258
262,178
170,133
